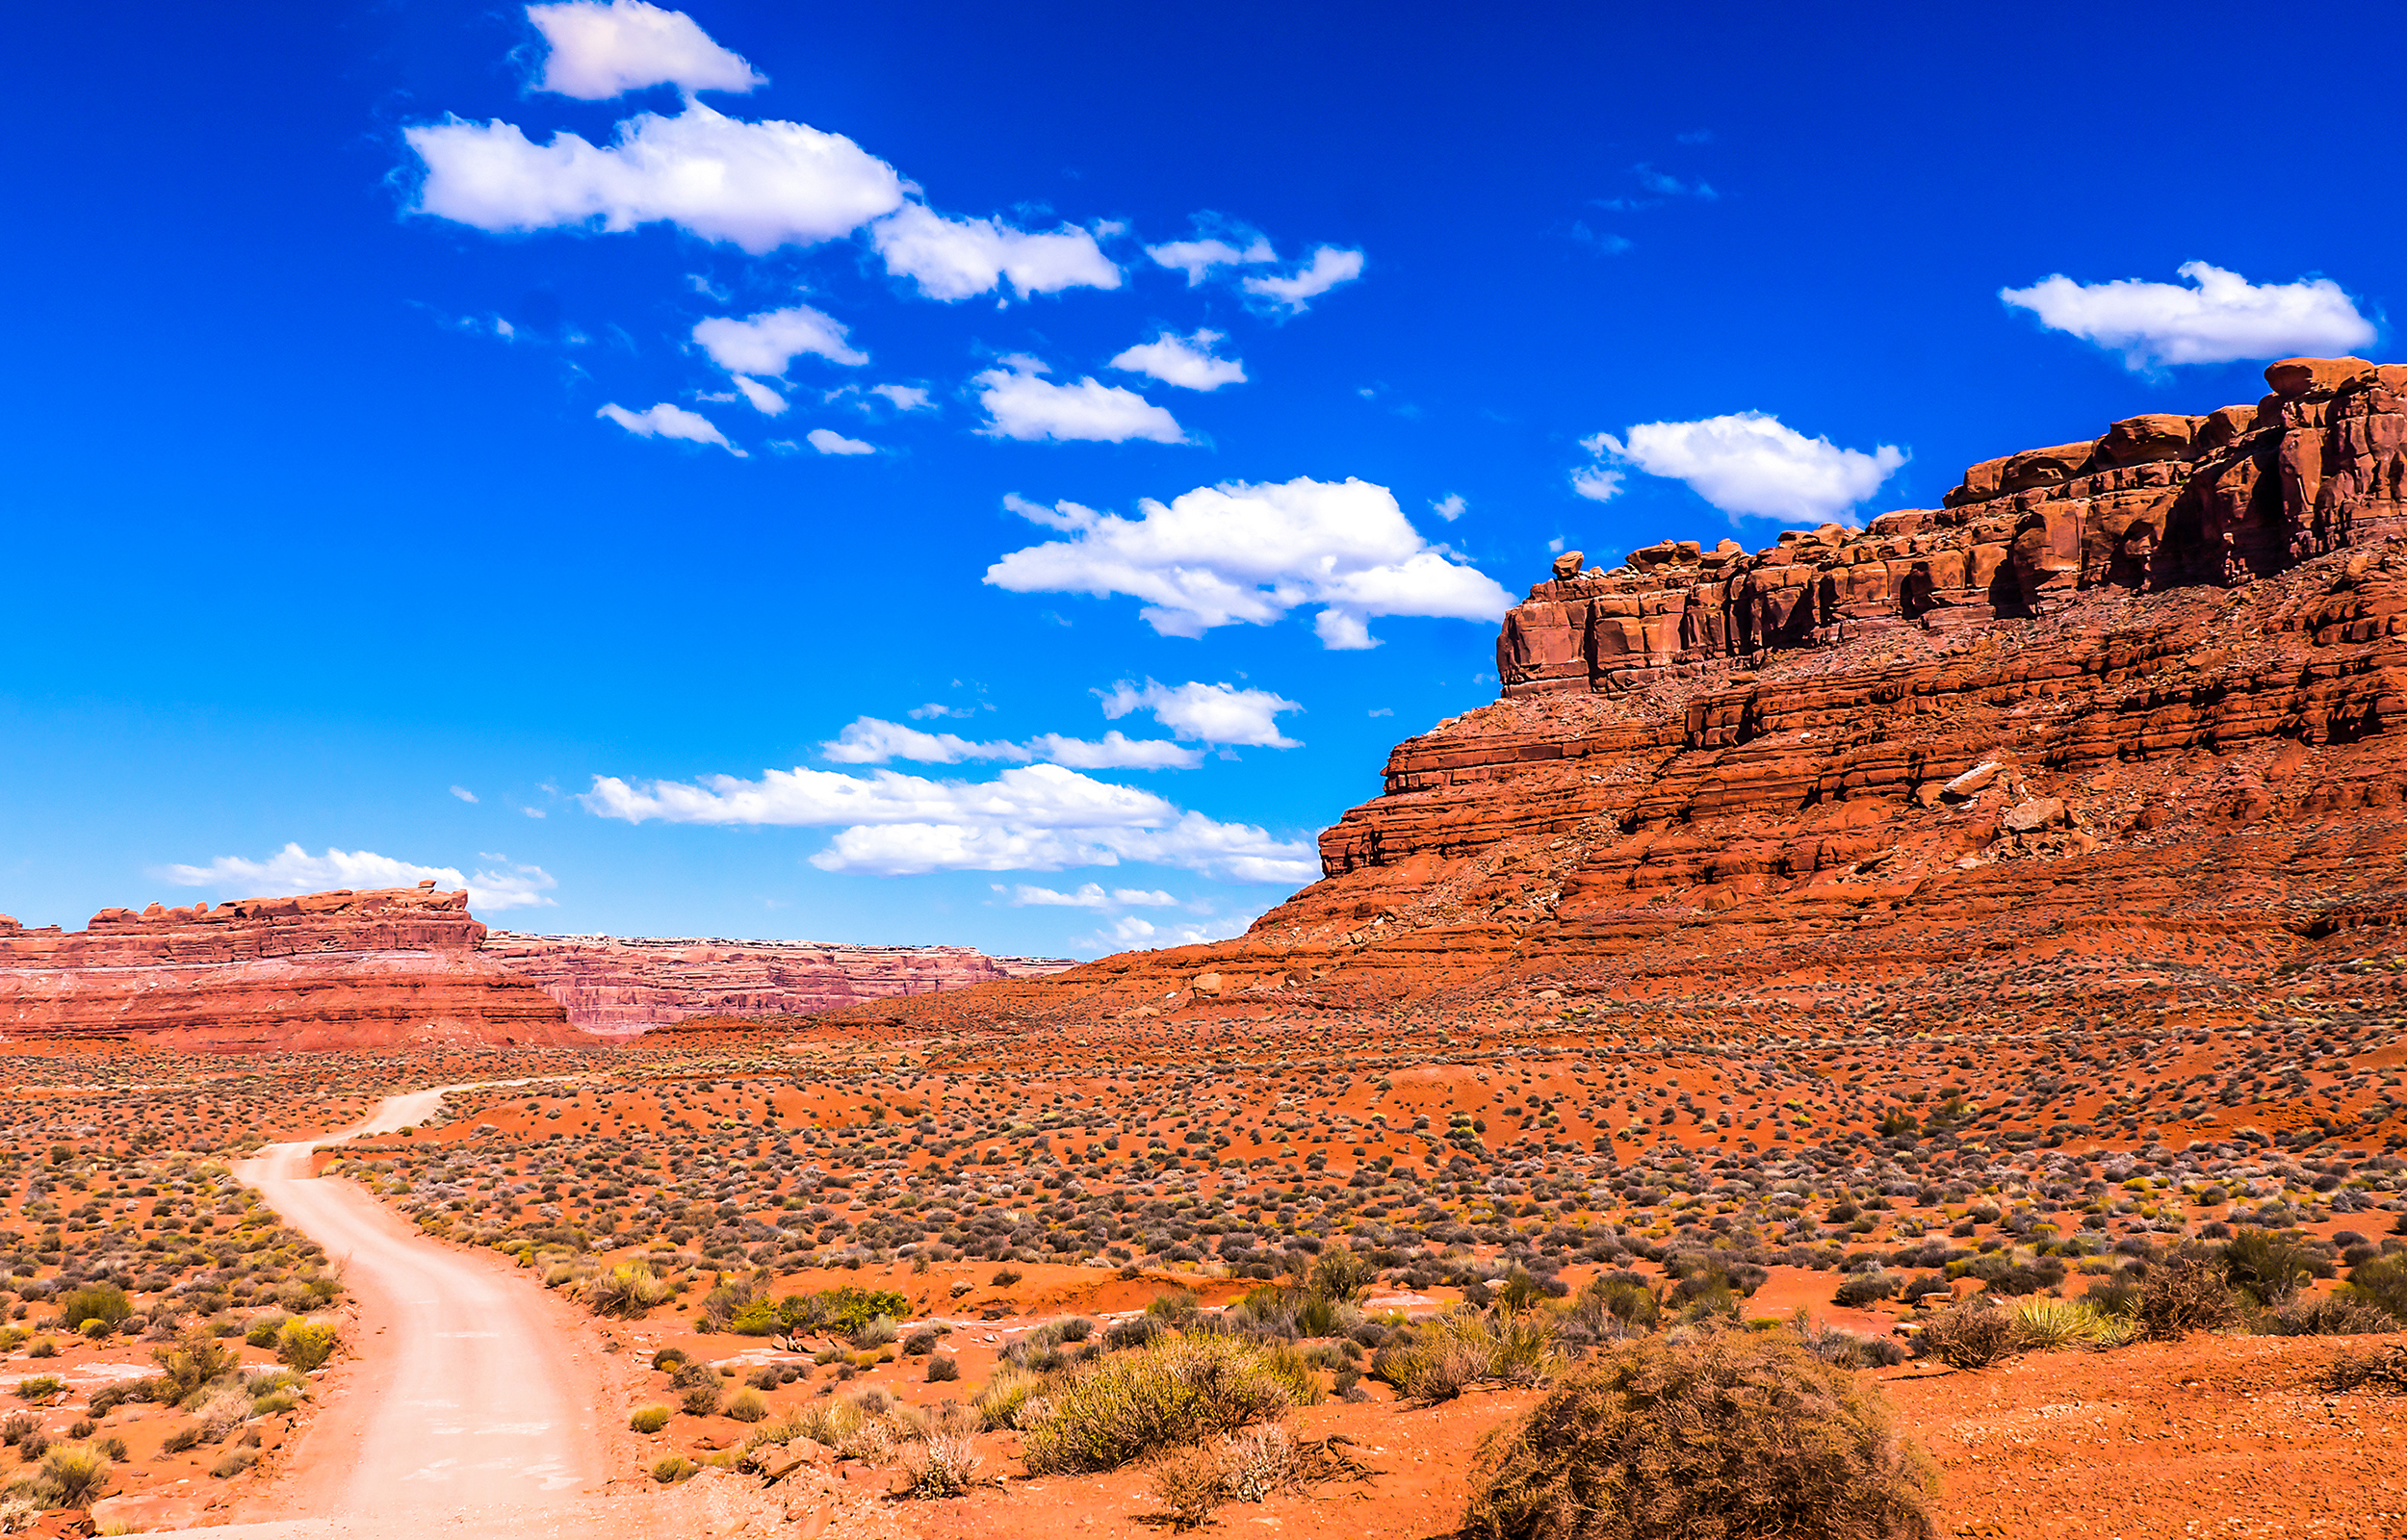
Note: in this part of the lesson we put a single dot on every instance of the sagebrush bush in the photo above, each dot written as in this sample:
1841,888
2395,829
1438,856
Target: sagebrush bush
2185,1291
749,1406
1006,1391
2382,1283
649,1419
1128,1407
2335,1315
942,1461
1464,1347
625,1291
72,1475
1973,1333
104,1302
1728,1434
2264,1267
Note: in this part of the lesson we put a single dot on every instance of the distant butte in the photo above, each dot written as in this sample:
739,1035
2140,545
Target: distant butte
2124,723
337,970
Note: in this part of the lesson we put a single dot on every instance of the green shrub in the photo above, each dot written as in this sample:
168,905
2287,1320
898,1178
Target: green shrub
194,1360
305,1344
2043,1324
649,1419
2264,1267
1859,1288
1125,1407
625,1291
233,1463
672,1467
262,1331
39,1387
72,1475
1729,1434
93,1301
1006,1391
2383,1284
748,1406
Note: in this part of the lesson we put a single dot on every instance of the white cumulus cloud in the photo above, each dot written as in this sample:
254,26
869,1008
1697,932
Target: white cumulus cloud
871,740
1242,553
1747,464
1198,258
294,870
669,422
954,259
1038,817
765,344
2217,317
757,185
599,51
1449,507
1328,268
827,441
1022,404
1216,714
1183,361
763,400
1089,895
904,397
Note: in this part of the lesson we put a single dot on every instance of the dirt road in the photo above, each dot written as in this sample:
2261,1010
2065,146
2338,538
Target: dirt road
469,1403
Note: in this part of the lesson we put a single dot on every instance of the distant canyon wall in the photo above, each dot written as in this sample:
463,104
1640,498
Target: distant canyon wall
617,985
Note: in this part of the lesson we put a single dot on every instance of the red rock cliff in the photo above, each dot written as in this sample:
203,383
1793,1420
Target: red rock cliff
2140,700
323,971
609,984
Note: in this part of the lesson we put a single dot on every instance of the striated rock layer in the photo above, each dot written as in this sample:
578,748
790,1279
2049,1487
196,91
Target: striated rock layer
323,971
610,984
2124,723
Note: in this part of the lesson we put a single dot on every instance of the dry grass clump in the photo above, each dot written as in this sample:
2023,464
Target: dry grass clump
624,1291
1971,1334
1246,1466
1442,1357
1728,1434
1172,1393
940,1461
2382,1370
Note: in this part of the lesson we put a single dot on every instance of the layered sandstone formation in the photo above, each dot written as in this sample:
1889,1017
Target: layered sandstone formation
616,984
2134,707
335,970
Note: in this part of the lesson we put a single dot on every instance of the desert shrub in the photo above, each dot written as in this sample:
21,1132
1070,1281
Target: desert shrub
1186,1483
72,1475
749,1407
649,1419
1004,1394
670,1469
16,1427
1730,1434
2044,1324
2335,1314
942,1369
625,1291
1859,1288
2264,1267
261,1334
1246,1466
875,1332
180,1439
2383,1284
40,1388
1125,1407
193,1361
921,1343
2383,1369
2185,1291
701,1399
840,1312
1288,1365
1134,1332
1848,1349
1004,1277
233,1463
942,1460
305,1344
1463,1348
93,1301
1972,1334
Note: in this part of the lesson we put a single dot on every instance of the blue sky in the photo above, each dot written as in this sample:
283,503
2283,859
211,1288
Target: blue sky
345,485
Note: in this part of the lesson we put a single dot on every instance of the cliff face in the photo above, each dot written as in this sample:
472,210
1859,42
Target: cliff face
2134,708
323,971
608,984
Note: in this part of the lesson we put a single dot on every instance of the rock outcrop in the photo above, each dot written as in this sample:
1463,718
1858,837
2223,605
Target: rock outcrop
2134,707
615,984
335,970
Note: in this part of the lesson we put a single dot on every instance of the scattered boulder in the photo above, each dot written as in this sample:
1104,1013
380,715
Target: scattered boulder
1968,785
2031,816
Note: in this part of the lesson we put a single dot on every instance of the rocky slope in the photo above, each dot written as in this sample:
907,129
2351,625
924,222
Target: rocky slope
610,984
323,971
2118,728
